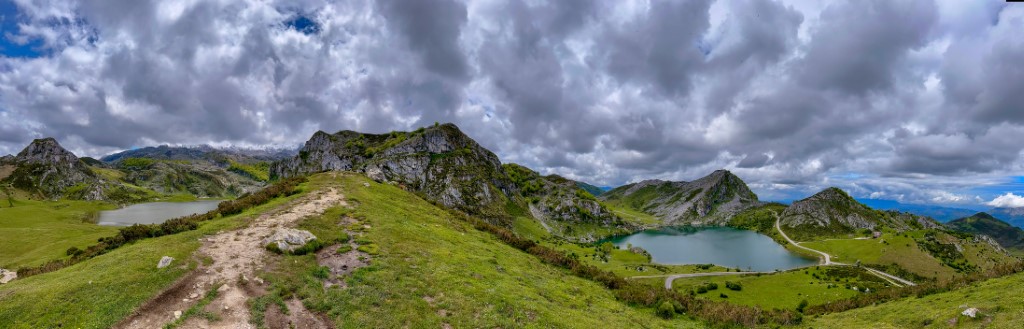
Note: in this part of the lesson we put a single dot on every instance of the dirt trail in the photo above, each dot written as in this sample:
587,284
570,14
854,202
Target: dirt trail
237,255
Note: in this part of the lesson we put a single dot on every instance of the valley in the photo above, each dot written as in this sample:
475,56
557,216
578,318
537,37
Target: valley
428,228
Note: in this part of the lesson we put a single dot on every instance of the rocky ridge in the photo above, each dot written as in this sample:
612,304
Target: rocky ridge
832,212
46,168
710,200
439,161
1006,235
554,198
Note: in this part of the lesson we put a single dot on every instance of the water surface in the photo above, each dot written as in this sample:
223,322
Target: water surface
154,212
729,247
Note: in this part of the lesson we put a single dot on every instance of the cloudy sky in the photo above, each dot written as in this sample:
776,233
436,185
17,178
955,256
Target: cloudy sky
917,101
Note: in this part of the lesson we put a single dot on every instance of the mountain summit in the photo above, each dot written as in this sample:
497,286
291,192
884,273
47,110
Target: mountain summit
439,161
708,200
1008,236
50,170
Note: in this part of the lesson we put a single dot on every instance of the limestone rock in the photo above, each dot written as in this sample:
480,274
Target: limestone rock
289,239
439,161
970,312
164,262
710,200
6,276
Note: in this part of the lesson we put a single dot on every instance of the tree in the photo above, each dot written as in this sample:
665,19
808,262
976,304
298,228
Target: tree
10,197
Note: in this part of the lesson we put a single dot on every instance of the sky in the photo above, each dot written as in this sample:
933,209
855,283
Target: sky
914,101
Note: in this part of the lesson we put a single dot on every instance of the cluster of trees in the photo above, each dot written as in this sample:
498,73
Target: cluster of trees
186,223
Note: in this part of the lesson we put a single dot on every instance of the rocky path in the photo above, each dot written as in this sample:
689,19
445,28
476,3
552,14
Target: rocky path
236,257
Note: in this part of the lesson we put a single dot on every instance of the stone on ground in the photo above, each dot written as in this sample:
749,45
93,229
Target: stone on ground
289,239
164,262
6,276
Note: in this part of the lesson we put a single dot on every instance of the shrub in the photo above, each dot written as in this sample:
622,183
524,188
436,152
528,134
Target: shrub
733,285
803,304
322,272
723,295
666,310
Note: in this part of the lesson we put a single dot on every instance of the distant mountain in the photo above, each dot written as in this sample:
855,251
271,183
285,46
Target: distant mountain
1008,236
1014,216
46,168
203,152
439,161
593,190
940,213
709,200
832,212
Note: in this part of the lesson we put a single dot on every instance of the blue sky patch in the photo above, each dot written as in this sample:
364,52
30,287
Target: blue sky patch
303,24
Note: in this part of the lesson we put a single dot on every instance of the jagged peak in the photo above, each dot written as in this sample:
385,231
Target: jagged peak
45,150
831,193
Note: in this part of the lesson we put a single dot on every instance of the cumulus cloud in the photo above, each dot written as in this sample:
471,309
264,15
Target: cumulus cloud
1008,200
901,99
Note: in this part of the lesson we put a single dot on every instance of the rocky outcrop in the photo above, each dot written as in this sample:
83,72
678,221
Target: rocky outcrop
832,212
555,198
440,162
199,178
289,239
165,261
47,168
7,276
710,200
830,208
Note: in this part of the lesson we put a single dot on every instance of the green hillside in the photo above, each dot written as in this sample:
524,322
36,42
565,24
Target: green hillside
1008,236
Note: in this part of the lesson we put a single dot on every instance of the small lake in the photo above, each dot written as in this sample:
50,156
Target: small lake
729,247
154,212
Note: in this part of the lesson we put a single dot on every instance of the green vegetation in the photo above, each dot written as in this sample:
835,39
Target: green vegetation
34,232
259,171
430,260
1009,236
785,290
137,163
99,292
997,300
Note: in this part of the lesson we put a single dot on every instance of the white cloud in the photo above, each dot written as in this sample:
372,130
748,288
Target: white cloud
1008,200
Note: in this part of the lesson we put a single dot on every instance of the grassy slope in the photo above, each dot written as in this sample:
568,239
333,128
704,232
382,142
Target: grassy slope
783,290
425,254
99,292
998,298
34,232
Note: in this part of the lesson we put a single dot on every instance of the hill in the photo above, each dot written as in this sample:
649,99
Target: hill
48,170
593,190
1013,216
1008,236
709,200
439,161
833,213
423,267
563,208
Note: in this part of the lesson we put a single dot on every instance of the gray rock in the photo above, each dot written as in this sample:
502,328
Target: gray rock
709,200
289,239
7,276
970,312
164,262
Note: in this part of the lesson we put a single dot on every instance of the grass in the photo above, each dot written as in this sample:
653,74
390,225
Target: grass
433,269
997,299
99,292
901,250
34,232
626,263
785,290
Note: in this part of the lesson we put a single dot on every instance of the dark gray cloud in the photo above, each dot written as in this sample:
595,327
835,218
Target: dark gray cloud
897,99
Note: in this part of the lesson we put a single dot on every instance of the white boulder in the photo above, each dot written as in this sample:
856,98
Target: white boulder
6,276
289,239
971,312
164,262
